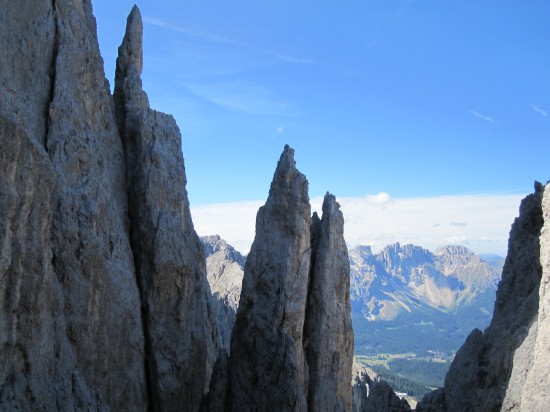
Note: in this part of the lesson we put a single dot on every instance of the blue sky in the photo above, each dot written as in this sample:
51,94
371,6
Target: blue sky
416,99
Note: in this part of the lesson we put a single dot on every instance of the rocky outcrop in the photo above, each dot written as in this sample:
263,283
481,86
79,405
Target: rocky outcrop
481,371
168,253
224,270
376,396
328,332
535,392
268,369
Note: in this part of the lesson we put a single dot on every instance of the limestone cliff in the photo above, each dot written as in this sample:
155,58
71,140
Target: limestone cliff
73,335
70,323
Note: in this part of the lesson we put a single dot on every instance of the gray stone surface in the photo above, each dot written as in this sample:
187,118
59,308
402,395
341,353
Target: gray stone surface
70,324
534,366
432,402
91,251
180,341
328,332
268,368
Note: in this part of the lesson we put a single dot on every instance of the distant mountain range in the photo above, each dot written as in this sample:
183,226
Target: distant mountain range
406,279
408,299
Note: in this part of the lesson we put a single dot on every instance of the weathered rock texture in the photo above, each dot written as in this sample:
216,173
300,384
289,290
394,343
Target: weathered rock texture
70,323
535,394
168,253
224,269
328,331
292,346
72,332
506,366
104,300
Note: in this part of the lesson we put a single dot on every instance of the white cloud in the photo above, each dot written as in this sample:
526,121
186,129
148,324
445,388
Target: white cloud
379,220
280,129
481,116
379,199
540,111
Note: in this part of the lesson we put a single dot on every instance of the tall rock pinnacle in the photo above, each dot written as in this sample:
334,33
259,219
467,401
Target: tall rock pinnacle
328,331
168,254
268,368
292,344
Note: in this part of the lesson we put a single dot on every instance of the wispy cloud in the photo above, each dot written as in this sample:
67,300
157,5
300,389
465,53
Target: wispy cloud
188,30
458,224
292,59
280,129
481,116
241,97
540,111
379,220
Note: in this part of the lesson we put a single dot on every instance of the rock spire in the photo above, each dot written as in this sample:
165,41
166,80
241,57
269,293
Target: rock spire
168,254
292,345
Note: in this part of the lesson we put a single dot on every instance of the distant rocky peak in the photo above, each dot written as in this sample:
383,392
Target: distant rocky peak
454,250
400,258
215,244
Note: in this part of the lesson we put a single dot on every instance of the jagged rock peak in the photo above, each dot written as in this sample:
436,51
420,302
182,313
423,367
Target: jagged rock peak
288,178
131,49
453,250
268,369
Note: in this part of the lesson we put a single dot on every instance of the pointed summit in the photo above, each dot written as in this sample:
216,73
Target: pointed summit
131,49
268,369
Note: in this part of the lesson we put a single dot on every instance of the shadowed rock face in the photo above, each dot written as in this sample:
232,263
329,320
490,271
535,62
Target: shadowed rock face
268,369
70,323
168,253
292,345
